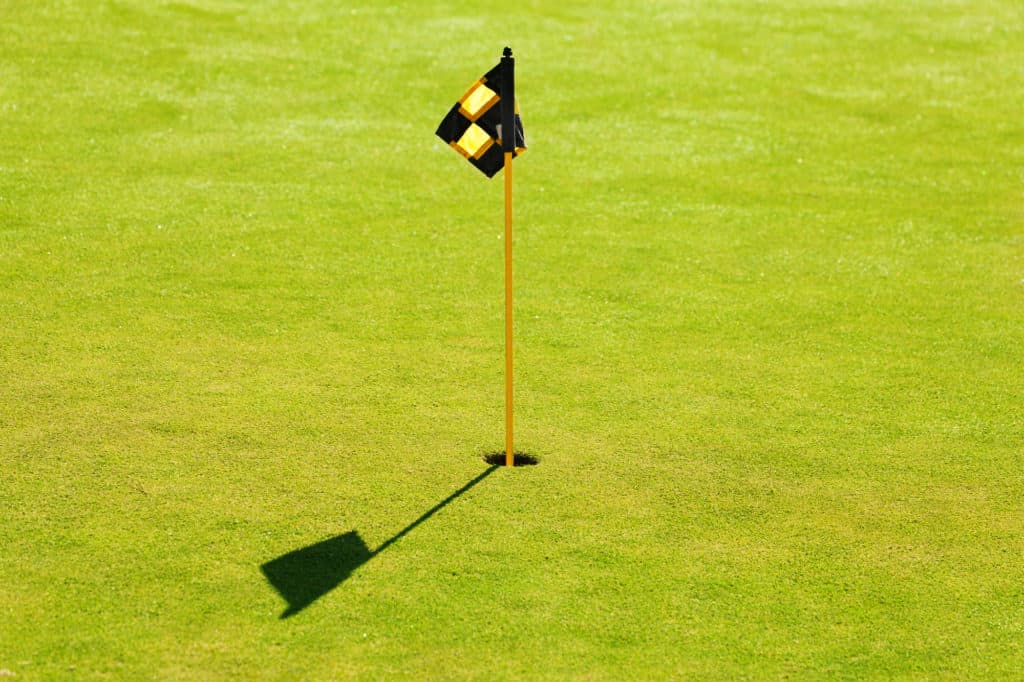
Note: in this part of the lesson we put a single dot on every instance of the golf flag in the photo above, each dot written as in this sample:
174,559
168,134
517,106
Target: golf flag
473,127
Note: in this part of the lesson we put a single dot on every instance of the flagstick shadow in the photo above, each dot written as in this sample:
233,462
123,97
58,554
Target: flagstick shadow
304,575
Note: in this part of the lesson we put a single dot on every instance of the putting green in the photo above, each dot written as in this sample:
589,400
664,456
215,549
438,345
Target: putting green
768,321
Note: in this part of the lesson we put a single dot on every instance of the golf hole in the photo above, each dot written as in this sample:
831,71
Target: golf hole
520,459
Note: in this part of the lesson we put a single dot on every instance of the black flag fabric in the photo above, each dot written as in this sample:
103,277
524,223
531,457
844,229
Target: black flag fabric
473,126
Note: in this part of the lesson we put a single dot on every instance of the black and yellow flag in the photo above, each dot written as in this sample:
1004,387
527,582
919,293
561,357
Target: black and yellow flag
473,126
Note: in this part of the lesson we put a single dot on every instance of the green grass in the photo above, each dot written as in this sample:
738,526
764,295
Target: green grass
769,322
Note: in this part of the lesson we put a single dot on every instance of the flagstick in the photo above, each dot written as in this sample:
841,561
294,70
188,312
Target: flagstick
509,451
508,146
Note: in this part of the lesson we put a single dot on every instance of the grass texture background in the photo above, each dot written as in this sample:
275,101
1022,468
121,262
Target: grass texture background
770,278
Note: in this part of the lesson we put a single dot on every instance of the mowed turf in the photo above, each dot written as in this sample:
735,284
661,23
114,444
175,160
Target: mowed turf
770,339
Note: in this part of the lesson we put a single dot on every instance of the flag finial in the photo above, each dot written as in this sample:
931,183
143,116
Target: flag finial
507,52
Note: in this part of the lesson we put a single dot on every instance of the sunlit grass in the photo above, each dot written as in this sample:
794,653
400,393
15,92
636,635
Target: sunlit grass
769,338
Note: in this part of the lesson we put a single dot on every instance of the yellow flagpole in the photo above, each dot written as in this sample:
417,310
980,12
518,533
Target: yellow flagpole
509,451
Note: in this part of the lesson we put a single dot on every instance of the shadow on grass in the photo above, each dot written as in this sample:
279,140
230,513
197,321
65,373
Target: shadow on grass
304,575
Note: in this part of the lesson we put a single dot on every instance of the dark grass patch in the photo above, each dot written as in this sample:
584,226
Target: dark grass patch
520,459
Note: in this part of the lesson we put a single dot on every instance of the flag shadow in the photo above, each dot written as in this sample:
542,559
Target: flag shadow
304,575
